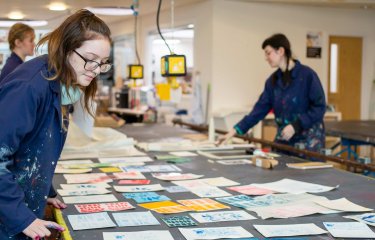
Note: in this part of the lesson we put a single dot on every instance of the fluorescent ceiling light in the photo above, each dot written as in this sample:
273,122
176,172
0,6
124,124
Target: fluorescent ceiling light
169,41
112,11
32,23
16,15
190,25
57,6
188,33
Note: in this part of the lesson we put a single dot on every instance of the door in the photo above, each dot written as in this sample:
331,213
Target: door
344,80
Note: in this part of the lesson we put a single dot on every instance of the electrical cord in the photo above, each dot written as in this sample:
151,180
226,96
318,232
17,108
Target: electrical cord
135,39
157,25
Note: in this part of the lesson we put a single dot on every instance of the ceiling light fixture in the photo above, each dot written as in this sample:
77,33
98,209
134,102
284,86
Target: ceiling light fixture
16,15
32,23
186,33
112,11
57,6
169,41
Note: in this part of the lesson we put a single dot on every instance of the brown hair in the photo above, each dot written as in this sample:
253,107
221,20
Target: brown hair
70,35
277,41
18,31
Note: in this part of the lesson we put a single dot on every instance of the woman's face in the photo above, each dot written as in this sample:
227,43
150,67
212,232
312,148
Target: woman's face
274,57
91,50
27,45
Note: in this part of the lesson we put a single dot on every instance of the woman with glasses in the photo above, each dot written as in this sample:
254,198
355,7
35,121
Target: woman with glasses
33,120
295,95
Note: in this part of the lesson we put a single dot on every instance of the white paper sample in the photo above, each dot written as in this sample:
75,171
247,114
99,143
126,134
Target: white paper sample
209,192
90,199
289,230
139,188
85,186
349,230
74,162
297,209
87,178
183,154
131,219
216,182
176,189
368,218
143,235
222,216
235,162
342,204
125,160
214,233
287,205
67,192
60,169
151,168
90,221
293,186
176,176
104,142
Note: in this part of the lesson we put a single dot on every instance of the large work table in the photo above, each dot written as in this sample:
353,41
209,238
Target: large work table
352,134
363,131
356,188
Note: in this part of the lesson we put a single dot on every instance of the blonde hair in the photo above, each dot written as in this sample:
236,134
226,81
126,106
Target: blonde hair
18,31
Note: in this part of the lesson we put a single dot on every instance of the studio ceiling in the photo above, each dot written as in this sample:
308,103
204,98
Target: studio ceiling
38,9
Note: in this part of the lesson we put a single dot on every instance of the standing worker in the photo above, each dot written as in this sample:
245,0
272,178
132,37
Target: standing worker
34,121
21,43
295,95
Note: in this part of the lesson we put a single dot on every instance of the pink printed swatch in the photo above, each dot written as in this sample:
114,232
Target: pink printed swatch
102,207
137,181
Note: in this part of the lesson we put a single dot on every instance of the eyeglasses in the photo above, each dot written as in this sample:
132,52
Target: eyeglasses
91,65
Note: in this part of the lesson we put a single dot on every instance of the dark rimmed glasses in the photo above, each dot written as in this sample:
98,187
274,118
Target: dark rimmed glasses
91,65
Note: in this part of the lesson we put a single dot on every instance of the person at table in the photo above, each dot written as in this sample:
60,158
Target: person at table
21,43
294,93
34,120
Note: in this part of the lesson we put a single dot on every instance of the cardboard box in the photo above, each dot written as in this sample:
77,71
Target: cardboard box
262,162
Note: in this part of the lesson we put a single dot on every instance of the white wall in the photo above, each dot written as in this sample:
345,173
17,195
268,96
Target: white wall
159,50
239,28
199,14
228,38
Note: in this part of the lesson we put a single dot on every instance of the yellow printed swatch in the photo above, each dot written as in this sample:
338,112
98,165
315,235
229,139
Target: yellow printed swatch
202,204
110,169
165,207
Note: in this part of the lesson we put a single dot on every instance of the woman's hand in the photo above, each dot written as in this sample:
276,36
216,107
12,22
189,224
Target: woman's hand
39,229
56,203
288,132
223,139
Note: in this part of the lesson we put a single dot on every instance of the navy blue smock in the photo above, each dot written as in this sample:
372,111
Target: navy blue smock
31,141
12,63
300,103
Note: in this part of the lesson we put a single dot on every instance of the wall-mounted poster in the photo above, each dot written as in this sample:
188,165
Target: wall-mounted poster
314,44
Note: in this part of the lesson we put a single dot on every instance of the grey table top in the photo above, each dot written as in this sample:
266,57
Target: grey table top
363,131
356,188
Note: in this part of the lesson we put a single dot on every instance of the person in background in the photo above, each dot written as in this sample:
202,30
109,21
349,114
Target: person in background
34,121
294,93
21,43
